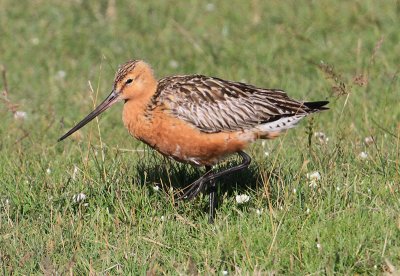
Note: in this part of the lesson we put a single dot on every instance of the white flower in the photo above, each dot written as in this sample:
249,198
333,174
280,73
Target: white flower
337,188
35,40
61,75
75,172
162,218
363,155
308,210
263,143
48,171
156,188
173,64
294,190
79,197
258,212
313,184
313,176
369,140
210,7
266,153
20,115
242,199
321,137
224,272
318,245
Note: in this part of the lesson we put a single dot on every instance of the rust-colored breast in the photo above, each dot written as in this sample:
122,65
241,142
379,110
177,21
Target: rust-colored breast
176,138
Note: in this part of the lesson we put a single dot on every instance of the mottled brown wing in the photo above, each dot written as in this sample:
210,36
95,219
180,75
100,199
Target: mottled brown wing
215,105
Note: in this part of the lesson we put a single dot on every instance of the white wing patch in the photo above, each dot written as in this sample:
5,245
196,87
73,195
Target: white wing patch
281,124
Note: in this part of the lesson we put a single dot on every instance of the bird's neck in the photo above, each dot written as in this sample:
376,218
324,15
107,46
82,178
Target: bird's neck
134,112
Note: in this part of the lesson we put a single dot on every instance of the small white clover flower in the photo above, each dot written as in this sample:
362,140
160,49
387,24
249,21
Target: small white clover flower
369,140
308,210
35,40
319,246
266,153
363,155
294,190
156,188
224,272
20,115
242,199
75,172
162,218
313,184
210,7
263,143
322,138
173,64
258,211
78,197
61,74
314,176
48,171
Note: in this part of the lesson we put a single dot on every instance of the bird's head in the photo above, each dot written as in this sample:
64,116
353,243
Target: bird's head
132,80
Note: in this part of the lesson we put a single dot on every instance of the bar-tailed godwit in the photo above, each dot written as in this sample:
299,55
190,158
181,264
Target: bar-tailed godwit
199,120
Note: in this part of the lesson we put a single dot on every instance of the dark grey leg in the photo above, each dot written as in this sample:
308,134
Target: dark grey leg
198,186
212,200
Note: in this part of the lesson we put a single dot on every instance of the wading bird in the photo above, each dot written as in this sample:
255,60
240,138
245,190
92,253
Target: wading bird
199,120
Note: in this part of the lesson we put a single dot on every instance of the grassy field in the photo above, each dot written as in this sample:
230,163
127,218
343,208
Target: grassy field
58,60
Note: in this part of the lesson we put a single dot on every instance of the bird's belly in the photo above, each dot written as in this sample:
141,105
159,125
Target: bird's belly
199,150
179,140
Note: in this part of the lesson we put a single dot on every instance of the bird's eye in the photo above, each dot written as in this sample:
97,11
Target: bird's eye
128,81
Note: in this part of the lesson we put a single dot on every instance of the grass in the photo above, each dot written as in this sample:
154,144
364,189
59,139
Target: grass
343,51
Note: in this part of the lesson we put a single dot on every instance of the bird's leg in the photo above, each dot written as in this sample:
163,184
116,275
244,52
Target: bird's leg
212,200
246,160
213,177
197,186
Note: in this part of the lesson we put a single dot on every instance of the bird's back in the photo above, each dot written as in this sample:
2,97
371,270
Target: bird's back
214,105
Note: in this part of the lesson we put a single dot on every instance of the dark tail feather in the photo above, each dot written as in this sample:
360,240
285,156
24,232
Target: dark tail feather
317,106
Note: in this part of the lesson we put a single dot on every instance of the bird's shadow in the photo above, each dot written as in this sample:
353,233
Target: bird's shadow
167,174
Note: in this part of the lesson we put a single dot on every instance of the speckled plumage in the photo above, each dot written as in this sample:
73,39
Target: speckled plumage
215,105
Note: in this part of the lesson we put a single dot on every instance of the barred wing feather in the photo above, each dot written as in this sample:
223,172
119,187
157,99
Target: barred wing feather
214,105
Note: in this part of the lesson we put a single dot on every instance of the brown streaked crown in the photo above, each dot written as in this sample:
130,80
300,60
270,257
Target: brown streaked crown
124,69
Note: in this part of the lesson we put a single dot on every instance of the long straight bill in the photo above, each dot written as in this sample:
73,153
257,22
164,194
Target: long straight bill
109,101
